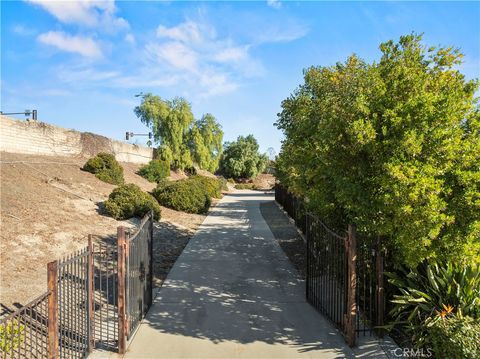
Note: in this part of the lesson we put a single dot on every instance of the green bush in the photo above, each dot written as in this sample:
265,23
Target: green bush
185,195
155,171
454,337
129,201
106,168
213,186
245,186
12,335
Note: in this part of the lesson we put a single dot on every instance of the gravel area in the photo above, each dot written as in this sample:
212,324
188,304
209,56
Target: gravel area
286,234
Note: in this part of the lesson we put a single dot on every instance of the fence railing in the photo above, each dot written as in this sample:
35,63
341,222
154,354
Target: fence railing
344,274
82,308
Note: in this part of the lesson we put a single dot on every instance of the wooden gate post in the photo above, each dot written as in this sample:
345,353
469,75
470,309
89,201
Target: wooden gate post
52,279
351,248
121,266
91,297
380,295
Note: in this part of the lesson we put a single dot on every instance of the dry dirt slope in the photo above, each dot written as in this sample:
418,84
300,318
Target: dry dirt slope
48,207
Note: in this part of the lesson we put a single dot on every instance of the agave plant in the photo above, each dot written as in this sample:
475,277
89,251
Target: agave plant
431,290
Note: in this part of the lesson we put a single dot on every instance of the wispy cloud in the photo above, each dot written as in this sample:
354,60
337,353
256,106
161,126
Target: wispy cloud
89,13
22,30
276,4
84,46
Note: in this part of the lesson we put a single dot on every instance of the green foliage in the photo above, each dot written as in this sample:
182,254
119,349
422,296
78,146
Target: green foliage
12,335
392,146
185,195
454,337
155,171
213,186
241,158
106,168
170,122
245,186
205,143
129,201
427,290
183,141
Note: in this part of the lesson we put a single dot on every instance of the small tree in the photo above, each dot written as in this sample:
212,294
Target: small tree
393,146
205,142
241,158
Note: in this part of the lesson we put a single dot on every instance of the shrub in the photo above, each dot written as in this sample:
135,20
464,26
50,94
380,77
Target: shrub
130,201
155,171
245,186
431,288
106,168
454,337
185,195
213,186
12,335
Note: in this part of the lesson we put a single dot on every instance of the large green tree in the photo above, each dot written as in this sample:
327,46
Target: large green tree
170,122
393,146
181,140
205,142
241,158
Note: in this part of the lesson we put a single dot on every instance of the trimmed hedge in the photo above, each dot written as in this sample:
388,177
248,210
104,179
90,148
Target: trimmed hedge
213,186
245,186
129,201
186,195
106,168
155,171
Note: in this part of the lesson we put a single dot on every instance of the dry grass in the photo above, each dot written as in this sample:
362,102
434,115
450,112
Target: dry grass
47,210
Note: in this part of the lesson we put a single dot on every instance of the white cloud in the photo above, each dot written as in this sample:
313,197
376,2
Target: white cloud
22,30
84,46
89,13
175,54
130,38
233,54
276,4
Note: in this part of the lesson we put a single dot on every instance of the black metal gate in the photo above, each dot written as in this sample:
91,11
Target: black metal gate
139,273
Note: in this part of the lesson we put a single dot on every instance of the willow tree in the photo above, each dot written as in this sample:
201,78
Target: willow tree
170,122
205,142
393,146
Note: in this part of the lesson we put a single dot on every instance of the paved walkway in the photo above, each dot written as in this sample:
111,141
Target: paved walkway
234,294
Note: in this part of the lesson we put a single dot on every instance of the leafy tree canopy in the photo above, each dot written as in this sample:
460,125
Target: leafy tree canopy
241,158
393,146
182,140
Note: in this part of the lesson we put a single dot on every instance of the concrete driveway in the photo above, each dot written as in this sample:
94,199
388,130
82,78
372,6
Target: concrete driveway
234,294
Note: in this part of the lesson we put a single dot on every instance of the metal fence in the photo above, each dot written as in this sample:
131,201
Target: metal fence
344,274
82,308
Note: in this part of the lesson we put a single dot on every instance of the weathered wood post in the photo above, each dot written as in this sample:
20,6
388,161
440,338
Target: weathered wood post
380,295
121,270
91,297
351,248
52,280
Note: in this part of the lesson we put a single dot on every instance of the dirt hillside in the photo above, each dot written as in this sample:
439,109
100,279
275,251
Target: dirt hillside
48,206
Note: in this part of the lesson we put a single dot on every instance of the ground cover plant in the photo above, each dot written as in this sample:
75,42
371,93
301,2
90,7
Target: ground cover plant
106,168
129,201
184,195
155,171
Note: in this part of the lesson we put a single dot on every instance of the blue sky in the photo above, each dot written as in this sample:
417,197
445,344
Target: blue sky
80,63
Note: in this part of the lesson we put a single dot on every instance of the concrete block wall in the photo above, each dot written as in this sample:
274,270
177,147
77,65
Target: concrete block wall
40,138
